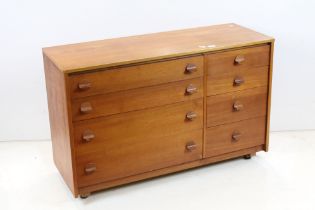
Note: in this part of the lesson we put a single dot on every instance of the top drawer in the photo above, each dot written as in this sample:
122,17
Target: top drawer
106,81
238,59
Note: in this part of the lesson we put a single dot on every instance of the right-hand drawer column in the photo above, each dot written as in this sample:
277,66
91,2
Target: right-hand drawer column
237,93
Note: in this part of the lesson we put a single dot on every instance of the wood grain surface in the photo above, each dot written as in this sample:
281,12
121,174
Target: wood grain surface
220,139
137,99
118,158
168,170
141,48
60,124
220,107
225,83
135,76
158,121
132,108
223,72
266,148
223,62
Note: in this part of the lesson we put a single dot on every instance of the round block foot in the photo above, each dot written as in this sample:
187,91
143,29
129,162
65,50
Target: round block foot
248,156
84,196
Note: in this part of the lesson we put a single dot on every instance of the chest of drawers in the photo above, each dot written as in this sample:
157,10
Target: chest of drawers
127,109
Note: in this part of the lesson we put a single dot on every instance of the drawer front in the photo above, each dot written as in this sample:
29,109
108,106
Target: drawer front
113,80
222,62
130,155
165,120
138,141
236,106
235,136
235,80
237,69
136,99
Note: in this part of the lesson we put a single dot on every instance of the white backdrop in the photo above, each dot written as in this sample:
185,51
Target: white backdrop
27,26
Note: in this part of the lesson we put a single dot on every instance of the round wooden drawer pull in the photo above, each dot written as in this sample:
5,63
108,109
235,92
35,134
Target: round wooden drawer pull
190,68
236,136
87,136
238,81
191,89
190,146
191,115
237,106
90,168
86,107
84,85
239,59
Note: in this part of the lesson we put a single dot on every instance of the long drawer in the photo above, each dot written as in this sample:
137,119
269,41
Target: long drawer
125,78
132,155
151,138
136,99
165,120
235,136
236,106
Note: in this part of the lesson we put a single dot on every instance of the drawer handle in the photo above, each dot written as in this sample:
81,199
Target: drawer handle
190,146
86,107
84,85
236,136
238,81
191,89
87,136
239,59
90,168
237,106
191,115
190,68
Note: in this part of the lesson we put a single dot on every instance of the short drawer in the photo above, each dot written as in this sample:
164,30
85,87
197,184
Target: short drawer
136,99
237,80
236,106
132,155
220,62
237,69
125,78
235,136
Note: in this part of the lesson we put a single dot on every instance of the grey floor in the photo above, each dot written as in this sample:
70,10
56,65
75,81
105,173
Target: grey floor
282,179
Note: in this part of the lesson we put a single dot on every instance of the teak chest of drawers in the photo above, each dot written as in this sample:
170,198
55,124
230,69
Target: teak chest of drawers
132,108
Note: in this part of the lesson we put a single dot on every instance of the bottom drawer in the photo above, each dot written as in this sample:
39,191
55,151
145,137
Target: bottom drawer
235,136
126,157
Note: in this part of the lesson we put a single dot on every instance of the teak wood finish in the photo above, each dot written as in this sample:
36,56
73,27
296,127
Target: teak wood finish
135,77
235,136
236,106
127,109
136,99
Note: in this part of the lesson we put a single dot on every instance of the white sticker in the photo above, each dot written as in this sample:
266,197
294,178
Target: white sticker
207,46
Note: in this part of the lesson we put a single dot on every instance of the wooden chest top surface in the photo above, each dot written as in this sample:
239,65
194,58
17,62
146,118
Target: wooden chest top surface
142,48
